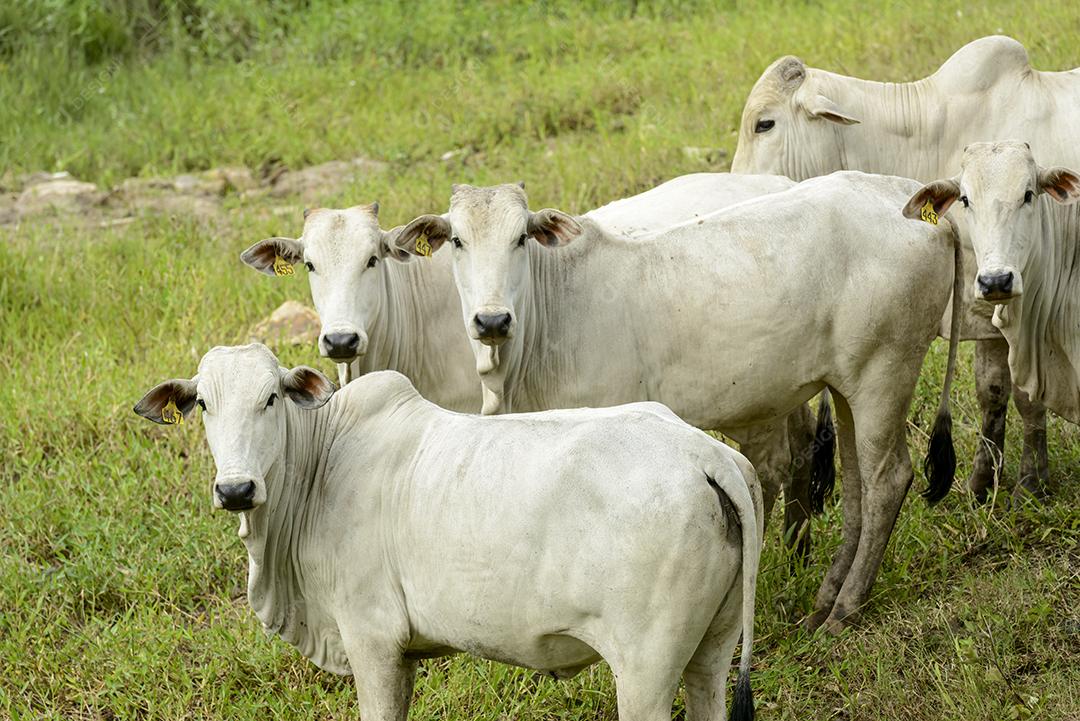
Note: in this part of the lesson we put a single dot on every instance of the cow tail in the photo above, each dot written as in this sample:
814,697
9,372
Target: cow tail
822,465
939,467
750,511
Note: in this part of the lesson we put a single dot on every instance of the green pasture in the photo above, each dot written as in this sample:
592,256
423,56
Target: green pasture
122,595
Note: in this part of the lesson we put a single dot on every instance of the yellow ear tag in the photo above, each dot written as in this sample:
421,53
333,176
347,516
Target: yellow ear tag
171,414
282,266
423,247
928,213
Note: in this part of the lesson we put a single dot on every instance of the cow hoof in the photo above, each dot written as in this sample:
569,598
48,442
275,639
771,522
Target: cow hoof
980,486
833,626
1029,490
812,622
1032,486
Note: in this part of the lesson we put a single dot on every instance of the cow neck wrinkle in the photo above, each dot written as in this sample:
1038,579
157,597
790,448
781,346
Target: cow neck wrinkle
280,530
542,308
1044,346
291,565
888,141
405,299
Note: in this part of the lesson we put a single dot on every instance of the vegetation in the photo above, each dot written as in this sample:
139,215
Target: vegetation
122,594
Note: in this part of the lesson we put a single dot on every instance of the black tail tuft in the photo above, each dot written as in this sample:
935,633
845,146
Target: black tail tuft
742,706
822,465
940,464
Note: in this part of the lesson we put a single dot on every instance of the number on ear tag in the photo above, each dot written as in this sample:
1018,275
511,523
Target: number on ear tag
928,214
423,247
171,414
282,266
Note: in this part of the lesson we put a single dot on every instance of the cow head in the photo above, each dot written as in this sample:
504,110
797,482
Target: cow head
1000,189
343,251
243,394
490,230
789,125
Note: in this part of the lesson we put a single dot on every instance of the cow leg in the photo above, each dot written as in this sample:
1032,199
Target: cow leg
706,675
766,447
1034,462
885,465
801,439
851,487
645,692
384,682
992,384
648,653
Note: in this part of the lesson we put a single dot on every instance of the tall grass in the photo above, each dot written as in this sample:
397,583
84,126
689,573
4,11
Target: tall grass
408,81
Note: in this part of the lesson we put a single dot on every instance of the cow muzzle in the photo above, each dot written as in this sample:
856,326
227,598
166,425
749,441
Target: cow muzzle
342,346
998,286
493,327
235,494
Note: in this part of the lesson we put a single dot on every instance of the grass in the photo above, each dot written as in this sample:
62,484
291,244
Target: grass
122,594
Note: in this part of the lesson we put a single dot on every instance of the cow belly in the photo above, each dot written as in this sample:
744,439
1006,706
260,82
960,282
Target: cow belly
745,373
559,655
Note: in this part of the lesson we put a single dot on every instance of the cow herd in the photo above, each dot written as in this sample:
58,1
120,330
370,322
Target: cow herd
389,522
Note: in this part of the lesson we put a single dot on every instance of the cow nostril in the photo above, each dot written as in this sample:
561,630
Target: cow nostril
997,283
235,496
493,325
342,345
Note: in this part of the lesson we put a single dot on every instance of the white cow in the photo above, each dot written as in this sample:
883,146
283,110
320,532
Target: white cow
382,529
378,314
1025,230
682,199
803,122
733,321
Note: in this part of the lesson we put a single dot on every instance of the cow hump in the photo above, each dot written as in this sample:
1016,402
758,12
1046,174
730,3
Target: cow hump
982,63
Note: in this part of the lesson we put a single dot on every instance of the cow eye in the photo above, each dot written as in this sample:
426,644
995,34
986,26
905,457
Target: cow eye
964,200
310,266
372,261
271,399
764,126
201,403
1028,197
521,240
456,241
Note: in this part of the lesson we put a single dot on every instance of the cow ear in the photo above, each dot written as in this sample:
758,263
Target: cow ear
307,387
274,256
1062,184
553,228
423,236
167,403
941,193
819,106
388,245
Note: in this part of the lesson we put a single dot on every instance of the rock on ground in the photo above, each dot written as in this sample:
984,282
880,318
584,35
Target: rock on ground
198,195
319,181
293,323
59,195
